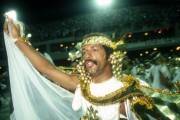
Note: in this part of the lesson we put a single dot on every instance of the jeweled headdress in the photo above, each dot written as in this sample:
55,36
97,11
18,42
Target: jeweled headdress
99,40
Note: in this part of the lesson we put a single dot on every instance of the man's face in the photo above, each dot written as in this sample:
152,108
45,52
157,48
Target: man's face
95,58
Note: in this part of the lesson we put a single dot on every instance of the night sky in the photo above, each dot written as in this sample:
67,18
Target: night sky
36,11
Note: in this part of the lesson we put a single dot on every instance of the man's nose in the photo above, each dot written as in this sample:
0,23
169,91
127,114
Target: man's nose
87,55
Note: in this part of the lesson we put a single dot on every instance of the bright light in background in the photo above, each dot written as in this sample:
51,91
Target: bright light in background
61,45
141,54
178,48
104,3
154,48
29,35
146,33
146,52
11,14
125,52
130,36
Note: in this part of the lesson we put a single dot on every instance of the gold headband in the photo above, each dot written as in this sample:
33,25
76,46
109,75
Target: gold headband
99,40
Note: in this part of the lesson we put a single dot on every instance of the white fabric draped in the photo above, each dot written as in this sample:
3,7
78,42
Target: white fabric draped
34,96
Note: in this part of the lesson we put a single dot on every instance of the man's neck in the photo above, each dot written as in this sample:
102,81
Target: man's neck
101,78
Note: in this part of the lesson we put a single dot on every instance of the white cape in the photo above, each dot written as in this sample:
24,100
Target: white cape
34,96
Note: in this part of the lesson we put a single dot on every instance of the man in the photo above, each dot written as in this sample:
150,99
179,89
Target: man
101,91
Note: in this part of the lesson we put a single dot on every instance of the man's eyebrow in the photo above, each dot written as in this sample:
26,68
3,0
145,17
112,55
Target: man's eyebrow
92,46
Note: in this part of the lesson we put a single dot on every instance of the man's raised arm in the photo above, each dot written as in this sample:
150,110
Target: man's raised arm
38,61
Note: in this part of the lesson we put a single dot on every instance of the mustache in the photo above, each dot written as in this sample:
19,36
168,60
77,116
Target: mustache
93,61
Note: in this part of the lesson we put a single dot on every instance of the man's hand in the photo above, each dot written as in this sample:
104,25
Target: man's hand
14,28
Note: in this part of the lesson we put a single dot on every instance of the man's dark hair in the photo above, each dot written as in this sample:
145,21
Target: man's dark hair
108,51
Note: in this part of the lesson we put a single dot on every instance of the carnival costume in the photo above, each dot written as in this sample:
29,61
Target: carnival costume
37,98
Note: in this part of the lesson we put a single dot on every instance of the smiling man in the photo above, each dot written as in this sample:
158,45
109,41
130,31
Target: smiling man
96,54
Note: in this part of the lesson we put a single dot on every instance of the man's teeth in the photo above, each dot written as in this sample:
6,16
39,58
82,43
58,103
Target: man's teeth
90,64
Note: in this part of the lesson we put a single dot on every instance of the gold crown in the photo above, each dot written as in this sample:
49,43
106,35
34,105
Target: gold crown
99,40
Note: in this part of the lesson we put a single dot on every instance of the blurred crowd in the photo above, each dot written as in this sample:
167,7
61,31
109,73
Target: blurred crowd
4,87
117,20
114,21
160,71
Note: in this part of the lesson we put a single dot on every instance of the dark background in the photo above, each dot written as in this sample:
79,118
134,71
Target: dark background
34,11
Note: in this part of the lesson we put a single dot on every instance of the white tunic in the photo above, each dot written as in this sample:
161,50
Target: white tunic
108,112
156,76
